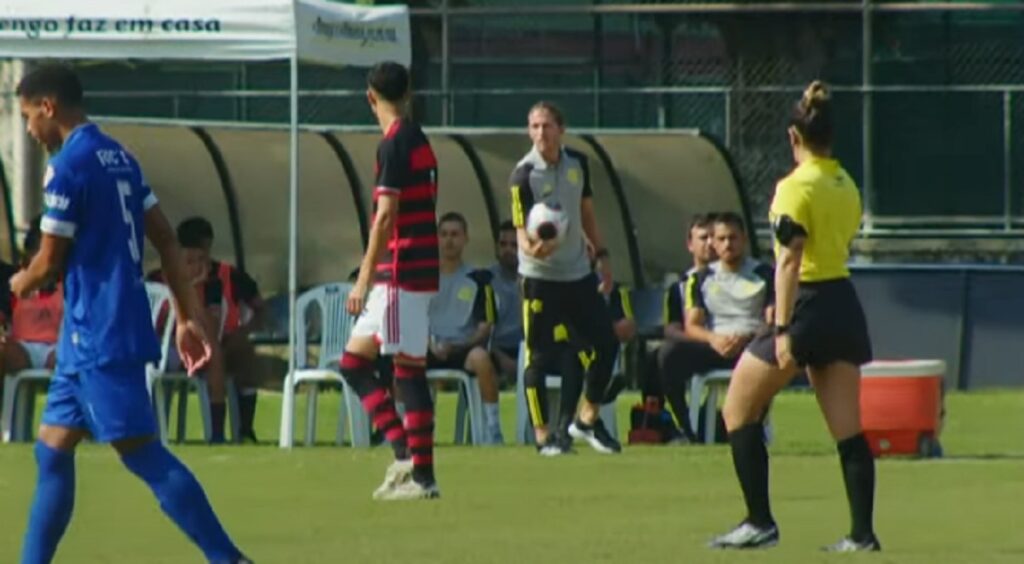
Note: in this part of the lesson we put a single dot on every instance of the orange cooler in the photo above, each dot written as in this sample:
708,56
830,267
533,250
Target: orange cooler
900,405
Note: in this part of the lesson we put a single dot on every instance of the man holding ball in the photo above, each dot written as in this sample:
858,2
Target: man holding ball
553,211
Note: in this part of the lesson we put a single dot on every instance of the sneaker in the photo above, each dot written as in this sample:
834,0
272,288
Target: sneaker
556,445
747,535
597,435
397,474
679,440
409,490
847,544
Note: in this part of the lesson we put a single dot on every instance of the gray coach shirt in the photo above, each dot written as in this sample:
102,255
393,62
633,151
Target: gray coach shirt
459,305
734,301
565,184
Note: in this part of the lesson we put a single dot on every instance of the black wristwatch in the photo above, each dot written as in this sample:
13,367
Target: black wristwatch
601,254
780,329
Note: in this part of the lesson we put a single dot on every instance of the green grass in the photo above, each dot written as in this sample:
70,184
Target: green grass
652,504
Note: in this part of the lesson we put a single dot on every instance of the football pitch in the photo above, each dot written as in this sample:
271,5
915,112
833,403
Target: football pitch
650,504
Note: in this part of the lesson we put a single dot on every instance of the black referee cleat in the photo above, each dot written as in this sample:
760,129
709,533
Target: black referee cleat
596,435
747,535
847,544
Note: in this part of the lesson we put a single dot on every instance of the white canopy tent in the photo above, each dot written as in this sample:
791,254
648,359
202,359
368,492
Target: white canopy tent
316,31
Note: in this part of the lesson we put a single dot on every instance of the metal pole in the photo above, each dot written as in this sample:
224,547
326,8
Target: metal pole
596,67
293,212
867,114
446,97
1007,160
728,120
26,193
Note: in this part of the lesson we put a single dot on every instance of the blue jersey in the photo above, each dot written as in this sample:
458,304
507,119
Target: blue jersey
96,196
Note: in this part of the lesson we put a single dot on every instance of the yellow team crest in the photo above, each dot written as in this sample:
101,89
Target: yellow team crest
573,175
466,294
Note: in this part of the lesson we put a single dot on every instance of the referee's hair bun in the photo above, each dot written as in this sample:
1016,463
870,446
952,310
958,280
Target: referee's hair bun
812,116
816,95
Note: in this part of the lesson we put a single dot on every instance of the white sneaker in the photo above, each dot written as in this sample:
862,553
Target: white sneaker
398,473
747,535
409,490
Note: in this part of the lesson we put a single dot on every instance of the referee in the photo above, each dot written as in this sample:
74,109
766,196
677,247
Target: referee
819,325
560,303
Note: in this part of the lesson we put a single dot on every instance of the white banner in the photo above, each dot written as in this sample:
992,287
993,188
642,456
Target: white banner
234,30
343,34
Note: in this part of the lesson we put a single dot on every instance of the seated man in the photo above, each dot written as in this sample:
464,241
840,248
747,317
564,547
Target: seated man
724,306
35,320
234,310
461,317
698,244
508,329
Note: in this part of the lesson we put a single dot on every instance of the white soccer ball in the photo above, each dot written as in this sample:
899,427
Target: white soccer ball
547,222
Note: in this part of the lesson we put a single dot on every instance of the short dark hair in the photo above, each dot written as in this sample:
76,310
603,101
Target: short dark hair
733,219
195,233
455,217
390,80
506,225
699,220
58,81
552,109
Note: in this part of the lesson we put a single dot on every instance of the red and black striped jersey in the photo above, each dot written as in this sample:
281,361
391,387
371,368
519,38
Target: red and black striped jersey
407,168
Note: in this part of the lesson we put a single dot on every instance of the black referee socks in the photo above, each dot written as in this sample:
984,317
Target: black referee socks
859,475
750,458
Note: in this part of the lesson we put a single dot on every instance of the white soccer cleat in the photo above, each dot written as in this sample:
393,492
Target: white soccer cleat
397,474
409,490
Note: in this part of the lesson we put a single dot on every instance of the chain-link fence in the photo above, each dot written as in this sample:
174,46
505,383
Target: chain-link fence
931,126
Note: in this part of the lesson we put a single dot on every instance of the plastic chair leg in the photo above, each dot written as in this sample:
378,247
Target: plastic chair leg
7,412
311,399
286,436
205,410
358,420
696,393
162,406
709,415
182,389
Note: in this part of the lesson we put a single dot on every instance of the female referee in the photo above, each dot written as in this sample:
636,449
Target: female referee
819,325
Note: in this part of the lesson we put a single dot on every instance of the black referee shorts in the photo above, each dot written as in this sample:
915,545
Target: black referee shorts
828,325
556,314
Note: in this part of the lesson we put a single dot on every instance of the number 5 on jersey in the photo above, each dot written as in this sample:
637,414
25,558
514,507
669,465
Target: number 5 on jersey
124,189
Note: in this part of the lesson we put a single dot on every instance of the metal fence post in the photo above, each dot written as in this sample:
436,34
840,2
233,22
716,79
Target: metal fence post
867,115
1007,160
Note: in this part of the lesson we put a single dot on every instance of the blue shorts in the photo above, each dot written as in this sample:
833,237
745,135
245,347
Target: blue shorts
110,401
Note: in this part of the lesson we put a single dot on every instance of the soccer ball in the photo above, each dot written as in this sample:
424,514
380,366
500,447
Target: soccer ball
547,222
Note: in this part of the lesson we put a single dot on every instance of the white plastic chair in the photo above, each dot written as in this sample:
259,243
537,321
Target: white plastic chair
163,381
20,391
524,428
469,404
335,326
19,403
714,382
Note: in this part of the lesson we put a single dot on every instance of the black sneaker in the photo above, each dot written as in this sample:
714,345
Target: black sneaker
597,435
747,535
555,445
847,544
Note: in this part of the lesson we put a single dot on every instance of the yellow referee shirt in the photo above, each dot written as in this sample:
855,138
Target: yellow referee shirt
821,197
